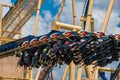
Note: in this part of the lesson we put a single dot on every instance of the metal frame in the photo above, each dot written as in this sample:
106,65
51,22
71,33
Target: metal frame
107,17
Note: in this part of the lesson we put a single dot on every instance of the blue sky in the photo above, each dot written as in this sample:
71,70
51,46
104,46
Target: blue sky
50,8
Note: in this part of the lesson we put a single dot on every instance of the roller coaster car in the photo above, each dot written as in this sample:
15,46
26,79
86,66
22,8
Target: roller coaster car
52,32
118,40
100,34
32,56
67,34
83,49
25,60
63,47
83,33
115,53
44,57
107,48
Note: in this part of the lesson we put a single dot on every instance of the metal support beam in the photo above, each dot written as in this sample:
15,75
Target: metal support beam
118,77
60,11
88,70
104,69
38,73
95,73
74,12
89,15
17,7
65,72
79,75
72,65
92,26
37,17
23,20
2,78
72,71
107,17
34,33
87,28
84,18
0,22
11,32
7,5
28,75
6,39
58,25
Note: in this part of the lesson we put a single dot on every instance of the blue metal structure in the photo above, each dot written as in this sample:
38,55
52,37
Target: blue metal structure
86,12
15,44
114,75
102,75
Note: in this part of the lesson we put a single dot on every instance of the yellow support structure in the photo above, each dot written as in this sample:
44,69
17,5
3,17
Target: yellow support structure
72,71
38,73
87,28
89,15
65,72
58,25
107,17
95,73
37,17
118,77
30,72
0,21
72,65
79,75
74,12
60,11
6,39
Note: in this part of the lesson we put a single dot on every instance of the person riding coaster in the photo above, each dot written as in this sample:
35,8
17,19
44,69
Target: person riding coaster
104,47
63,47
107,50
46,56
82,47
117,36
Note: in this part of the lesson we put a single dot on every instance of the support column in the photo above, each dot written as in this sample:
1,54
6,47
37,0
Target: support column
74,12
87,28
35,31
72,65
37,17
38,73
107,17
65,72
118,77
79,75
88,70
89,15
60,11
72,71
0,22
96,73
92,26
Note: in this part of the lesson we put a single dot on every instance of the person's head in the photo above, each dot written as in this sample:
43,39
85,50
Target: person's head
83,33
67,34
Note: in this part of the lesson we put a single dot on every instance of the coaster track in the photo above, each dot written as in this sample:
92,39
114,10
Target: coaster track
17,16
